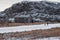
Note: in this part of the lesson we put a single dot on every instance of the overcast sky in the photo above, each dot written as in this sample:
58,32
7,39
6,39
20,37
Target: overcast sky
7,3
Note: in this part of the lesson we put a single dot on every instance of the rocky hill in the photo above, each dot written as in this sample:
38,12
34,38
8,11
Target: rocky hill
42,9
34,7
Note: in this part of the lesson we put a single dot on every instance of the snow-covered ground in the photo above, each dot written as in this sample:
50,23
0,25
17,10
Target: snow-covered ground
48,38
28,28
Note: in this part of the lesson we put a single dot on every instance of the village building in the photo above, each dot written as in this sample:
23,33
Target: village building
37,20
3,17
23,18
57,18
11,20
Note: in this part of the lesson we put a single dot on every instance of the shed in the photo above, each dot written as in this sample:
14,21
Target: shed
23,19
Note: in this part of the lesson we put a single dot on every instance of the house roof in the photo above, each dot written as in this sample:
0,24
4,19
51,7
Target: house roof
35,14
11,19
22,16
2,14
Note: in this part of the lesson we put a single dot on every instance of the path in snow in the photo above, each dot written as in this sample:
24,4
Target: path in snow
28,28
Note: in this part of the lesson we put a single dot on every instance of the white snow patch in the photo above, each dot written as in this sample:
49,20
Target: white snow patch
49,38
28,28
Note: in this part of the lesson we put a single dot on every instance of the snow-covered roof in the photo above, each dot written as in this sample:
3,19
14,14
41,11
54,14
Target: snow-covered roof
2,14
35,14
38,19
23,16
11,19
